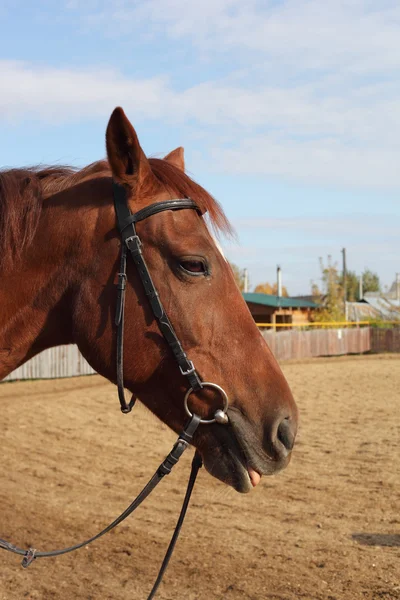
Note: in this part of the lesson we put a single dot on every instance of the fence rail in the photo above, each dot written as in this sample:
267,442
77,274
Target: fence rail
66,361
385,340
287,345
62,361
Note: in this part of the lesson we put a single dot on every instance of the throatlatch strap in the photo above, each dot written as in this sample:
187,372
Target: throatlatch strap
119,322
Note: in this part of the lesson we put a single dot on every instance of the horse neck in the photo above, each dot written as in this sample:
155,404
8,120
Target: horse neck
35,294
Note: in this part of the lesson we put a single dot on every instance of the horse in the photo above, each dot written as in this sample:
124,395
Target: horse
60,252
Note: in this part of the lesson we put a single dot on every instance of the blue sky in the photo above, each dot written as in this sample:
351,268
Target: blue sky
288,111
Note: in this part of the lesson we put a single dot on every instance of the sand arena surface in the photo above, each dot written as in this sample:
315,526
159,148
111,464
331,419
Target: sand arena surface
327,528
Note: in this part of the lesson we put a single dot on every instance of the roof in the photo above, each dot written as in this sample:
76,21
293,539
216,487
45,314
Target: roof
386,309
278,301
359,311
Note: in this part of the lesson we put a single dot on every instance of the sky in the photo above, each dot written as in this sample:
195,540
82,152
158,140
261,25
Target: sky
288,110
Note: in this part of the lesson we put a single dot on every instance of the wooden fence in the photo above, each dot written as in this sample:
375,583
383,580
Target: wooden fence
62,361
66,361
294,344
385,340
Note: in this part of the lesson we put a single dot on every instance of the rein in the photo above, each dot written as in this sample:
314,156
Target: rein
131,242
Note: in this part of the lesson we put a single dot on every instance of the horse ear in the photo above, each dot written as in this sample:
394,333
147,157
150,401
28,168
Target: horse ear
176,157
127,160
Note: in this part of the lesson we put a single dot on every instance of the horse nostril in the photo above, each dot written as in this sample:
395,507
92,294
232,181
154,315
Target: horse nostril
286,434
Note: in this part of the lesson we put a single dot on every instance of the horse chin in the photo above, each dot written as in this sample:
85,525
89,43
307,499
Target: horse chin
225,459
230,469
233,454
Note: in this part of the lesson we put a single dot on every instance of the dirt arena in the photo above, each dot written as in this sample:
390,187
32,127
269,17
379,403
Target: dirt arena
327,528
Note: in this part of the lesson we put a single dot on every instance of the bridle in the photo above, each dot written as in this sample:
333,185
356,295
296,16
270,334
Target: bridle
131,242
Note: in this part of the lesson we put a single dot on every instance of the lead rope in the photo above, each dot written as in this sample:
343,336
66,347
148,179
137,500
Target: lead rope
165,468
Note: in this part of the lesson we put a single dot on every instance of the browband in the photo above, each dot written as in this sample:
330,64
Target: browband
158,207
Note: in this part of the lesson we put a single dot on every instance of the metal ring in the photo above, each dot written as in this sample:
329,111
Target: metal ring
211,385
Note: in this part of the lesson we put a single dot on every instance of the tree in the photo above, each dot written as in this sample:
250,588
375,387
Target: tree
238,275
352,286
266,288
263,288
331,296
371,281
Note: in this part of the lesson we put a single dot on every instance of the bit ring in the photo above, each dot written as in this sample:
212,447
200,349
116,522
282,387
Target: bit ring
223,410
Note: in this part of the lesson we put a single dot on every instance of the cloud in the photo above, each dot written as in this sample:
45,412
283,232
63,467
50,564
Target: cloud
53,94
322,161
357,225
306,91
359,35
297,242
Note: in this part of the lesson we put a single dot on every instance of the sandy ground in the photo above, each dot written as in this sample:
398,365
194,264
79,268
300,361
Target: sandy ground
327,528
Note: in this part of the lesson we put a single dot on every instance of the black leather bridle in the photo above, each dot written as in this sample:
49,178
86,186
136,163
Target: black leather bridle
131,242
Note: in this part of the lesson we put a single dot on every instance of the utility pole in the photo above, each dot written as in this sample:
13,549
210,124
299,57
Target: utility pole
360,288
278,285
398,287
246,281
279,281
344,283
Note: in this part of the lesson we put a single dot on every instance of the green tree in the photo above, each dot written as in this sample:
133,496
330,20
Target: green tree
371,281
352,286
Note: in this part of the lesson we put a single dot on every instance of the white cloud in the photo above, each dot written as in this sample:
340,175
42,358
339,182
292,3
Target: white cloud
329,160
310,89
358,35
296,243
357,225
51,94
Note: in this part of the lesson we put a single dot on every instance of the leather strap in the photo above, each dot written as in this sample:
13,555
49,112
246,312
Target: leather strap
131,241
157,207
119,322
196,465
165,468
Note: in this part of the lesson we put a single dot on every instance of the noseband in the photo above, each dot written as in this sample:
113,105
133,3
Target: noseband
131,242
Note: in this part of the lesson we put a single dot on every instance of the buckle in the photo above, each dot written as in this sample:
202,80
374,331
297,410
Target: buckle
29,557
134,241
191,369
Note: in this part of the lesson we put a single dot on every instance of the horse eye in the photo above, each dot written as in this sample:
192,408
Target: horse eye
193,266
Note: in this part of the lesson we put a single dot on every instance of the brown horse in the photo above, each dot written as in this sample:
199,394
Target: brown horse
59,259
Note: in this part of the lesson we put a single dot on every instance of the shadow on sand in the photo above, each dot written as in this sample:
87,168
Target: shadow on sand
377,539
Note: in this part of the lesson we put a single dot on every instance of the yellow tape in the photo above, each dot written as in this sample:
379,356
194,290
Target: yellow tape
327,324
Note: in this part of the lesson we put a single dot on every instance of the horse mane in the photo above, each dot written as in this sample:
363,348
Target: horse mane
23,192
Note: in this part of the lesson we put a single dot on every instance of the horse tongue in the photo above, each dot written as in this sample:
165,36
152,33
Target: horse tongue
255,477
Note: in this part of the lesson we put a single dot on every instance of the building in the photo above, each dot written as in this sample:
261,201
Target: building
373,306
279,309
377,305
